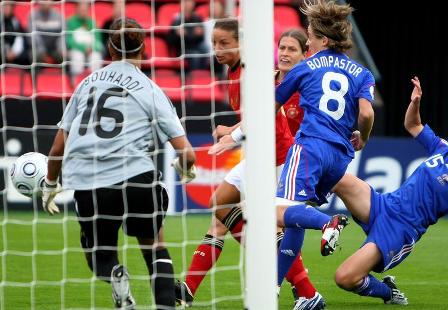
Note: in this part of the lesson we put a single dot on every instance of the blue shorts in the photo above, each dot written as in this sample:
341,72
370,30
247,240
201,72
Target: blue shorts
312,168
394,238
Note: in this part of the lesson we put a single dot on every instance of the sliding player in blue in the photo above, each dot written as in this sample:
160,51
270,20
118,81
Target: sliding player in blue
394,222
336,95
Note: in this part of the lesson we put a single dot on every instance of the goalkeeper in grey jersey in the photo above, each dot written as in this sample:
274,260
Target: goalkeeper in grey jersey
116,118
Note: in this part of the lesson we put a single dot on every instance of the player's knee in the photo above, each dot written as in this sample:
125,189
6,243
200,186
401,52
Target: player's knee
280,210
280,223
345,279
222,213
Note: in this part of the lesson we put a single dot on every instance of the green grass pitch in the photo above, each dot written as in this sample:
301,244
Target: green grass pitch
48,271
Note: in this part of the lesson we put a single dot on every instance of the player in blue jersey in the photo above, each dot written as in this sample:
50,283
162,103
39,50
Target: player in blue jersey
336,95
394,222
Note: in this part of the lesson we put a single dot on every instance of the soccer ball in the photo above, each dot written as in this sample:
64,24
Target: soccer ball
28,173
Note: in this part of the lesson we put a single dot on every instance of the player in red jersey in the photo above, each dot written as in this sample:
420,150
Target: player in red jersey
228,217
292,42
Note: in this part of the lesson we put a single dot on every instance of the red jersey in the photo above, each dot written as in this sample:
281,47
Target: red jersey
283,137
294,113
287,122
233,76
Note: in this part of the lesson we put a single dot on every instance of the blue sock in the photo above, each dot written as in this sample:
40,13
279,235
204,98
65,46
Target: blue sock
372,287
305,216
288,250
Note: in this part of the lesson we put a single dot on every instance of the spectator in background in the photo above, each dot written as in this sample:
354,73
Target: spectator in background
118,13
217,11
14,48
83,41
46,25
191,32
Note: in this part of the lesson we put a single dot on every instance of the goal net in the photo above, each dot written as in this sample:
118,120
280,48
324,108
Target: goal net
47,48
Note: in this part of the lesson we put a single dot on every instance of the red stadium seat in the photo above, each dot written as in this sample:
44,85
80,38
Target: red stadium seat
141,12
67,9
102,11
203,88
170,83
165,16
286,17
203,11
15,82
158,55
52,83
22,12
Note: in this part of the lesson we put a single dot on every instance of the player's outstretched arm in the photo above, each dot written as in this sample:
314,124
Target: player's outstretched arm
412,120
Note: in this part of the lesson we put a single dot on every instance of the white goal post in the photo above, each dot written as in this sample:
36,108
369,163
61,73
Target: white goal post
258,117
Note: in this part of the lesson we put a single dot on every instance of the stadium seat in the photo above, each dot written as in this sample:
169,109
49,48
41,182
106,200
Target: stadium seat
170,83
52,83
157,55
286,17
203,11
22,11
165,16
67,9
15,82
141,12
203,88
102,11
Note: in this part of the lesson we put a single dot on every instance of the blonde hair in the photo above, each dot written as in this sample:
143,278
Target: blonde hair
328,19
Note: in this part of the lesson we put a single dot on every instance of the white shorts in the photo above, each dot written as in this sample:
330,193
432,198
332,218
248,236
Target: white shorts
236,176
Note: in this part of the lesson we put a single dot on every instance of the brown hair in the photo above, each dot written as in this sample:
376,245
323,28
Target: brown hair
297,34
328,19
228,24
124,40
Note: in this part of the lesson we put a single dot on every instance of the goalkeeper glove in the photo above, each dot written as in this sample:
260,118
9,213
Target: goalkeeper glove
186,175
49,191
